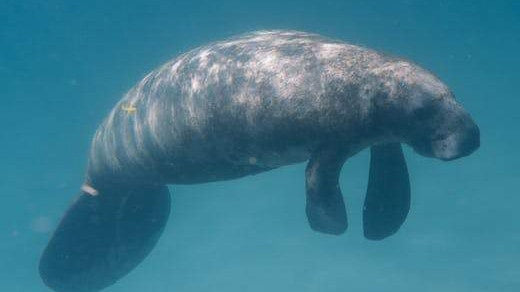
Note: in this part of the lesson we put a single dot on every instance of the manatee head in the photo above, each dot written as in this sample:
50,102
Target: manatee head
417,108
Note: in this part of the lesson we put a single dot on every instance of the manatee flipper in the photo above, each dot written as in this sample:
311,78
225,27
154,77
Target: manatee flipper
101,238
387,200
325,207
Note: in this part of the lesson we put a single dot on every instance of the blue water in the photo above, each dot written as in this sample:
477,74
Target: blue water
63,65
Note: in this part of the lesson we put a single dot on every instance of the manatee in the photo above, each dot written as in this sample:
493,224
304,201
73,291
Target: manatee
242,106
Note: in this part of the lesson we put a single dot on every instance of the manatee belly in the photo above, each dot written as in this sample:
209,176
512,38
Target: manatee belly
192,169
210,154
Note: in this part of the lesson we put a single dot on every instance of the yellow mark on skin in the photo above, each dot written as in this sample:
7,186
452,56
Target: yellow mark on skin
129,109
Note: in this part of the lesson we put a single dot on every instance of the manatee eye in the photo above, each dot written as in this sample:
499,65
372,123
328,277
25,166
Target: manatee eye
422,113
439,137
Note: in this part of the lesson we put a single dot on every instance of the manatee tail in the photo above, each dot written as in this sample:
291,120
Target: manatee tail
102,237
387,200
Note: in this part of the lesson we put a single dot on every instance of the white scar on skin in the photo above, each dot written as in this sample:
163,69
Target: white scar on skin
89,190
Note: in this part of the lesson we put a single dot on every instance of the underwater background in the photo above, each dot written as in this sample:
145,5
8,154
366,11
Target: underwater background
64,64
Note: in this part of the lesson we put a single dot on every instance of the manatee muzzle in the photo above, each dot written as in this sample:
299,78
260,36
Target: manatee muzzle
457,144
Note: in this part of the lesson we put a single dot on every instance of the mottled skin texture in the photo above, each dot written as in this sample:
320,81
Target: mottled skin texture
271,98
239,107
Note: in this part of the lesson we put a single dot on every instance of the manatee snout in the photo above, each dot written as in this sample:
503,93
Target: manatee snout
458,144
447,132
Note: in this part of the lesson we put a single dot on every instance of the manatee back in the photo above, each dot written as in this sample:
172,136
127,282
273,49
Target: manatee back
266,92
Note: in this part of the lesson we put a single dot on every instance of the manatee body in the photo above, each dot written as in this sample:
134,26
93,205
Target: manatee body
240,107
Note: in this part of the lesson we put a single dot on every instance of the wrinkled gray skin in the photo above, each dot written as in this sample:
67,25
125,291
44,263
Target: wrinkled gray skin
269,99
244,106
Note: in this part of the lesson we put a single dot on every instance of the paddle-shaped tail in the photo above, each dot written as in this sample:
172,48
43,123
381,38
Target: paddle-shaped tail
102,237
